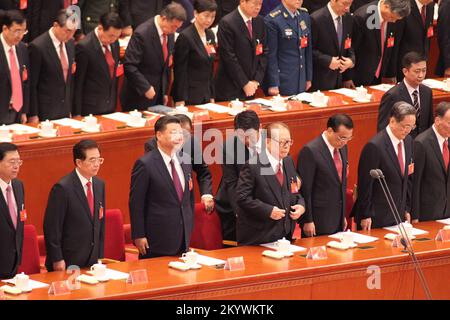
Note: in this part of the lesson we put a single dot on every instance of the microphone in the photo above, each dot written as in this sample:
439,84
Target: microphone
405,241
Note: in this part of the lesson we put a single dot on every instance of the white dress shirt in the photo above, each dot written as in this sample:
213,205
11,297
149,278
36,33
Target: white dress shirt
3,186
244,17
411,90
6,48
334,16
56,44
440,138
330,147
84,182
395,143
101,44
167,159
274,163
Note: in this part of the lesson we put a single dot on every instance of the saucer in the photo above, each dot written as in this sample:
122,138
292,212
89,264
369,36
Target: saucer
195,266
366,100
136,125
287,253
91,130
48,135
27,290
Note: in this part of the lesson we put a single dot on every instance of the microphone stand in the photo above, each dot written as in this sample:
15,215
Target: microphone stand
378,174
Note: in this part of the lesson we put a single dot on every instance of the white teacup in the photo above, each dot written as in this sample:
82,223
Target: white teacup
46,127
347,239
136,117
318,98
91,121
283,245
236,105
4,132
447,84
361,93
190,258
99,270
22,281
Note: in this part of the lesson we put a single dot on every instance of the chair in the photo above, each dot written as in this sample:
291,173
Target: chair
207,233
115,238
30,251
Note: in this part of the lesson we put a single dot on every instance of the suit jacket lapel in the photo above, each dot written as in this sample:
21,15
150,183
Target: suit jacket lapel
55,58
96,45
391,152
78,188
198,41
417,15
4,61
437,149
405,94
272,180
156,42
325,152
164,172
331,26
4,208
242,25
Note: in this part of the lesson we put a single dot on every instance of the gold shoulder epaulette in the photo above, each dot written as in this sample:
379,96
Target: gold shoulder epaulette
275,13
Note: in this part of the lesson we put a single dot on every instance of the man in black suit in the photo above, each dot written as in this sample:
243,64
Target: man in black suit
192,147
323,167
431,187
416,31
410,90
148,60
12,211
268,192
443,36
242,52
161,195
97,57
391,150
136,12
74,221
333,54
52,66
375,41
14,66
236,151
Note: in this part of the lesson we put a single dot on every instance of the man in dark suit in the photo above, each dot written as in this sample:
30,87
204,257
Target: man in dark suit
192,147
410,90
52,66
148,60
268,192
332,51
236,151
323,167
97,57
161,196
136,12
416,31
74,221
431,187
12,211
242,52
443,36
391,150
14,66
375,41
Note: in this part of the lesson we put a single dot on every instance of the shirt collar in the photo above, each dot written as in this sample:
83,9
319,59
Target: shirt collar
273,162
440,138
410,89
82,179
393,138
166,157
330,147
419,5
379,13
99,41
4,185
158,27
5,45
333,14
55,40
243,15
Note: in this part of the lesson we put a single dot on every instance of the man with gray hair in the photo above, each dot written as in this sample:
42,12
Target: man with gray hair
148,59
375,40
431,188
391,150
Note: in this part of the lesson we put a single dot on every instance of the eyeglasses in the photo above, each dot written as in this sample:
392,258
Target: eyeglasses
19,32
14,163
407,127
284,143
344,139
96,160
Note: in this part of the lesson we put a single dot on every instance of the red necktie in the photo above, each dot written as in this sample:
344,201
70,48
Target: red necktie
280,176
383,38
176,181
12,210
423,13
17,97
445,154
110,61
64,63
250,28
338,163
400,158
90,197
164,47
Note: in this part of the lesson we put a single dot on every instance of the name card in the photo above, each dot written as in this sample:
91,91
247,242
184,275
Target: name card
200,116
63,131
317,253
235,264
443,235
59,288
20,137
106,125
397,242
138,277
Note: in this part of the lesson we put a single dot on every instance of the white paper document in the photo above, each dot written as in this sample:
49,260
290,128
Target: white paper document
208,261
70,123
113,274
214,107
415,231
264,102
304,96
118,116
16,128
382,87
444,221
357,237
31,283
434,84
274,246
346,92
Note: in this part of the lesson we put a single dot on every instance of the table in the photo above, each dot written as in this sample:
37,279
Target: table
47,160
343,275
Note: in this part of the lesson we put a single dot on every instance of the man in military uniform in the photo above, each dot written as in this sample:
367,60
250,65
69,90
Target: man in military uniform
289,69
91,10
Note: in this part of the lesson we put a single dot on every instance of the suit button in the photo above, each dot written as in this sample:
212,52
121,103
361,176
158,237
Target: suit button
107,101
92,244
301,66
181,222
63,100
88,18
